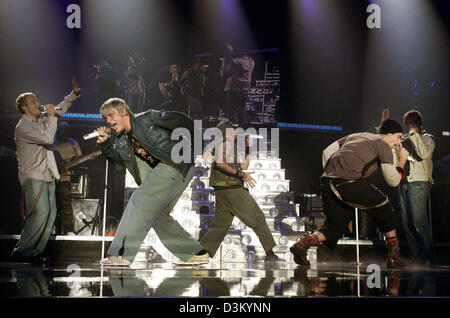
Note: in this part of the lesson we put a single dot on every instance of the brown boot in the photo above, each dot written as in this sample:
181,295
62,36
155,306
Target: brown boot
394,260
300,249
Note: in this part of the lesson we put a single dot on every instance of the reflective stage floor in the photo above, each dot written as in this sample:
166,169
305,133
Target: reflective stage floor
222,280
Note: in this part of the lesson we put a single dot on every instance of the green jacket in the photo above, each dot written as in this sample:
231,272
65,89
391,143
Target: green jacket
153,129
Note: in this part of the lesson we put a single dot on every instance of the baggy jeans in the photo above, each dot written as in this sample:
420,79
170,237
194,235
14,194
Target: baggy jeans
149,207
39,221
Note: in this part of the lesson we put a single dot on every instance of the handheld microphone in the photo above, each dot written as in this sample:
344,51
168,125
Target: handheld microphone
91,135
252,136
410,159
94,134
42,108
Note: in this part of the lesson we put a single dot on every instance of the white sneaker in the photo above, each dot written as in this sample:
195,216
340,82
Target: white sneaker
194,260
70,234
115,261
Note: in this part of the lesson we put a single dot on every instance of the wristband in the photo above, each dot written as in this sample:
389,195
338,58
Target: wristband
238,172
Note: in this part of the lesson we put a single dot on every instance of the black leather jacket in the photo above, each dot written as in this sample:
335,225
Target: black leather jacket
153,130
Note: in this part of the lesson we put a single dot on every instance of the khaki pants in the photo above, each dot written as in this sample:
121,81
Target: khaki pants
236,202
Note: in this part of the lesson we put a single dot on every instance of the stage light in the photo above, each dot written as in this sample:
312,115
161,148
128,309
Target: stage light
246,239
251,256
291,211
286,199
402,60
258,166
273,212
151,239
230,255
242,226
269,199
288,256
228,240
298,227
283,240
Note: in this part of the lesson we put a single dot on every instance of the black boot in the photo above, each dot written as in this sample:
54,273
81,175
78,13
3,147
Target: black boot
300,250
394,260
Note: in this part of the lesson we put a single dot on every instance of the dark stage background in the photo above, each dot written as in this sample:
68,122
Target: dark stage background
334,69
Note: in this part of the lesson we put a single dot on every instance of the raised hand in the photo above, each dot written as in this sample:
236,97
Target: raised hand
50,109
76,89
402,155
103,133
385,114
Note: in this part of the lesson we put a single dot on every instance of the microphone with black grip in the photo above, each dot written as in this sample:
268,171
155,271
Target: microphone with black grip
410,158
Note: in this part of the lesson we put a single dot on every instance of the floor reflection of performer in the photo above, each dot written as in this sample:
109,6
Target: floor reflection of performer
66,149
347,164
134,73
108,82
32,283
238,73
144,146
34,136
168,83
193,82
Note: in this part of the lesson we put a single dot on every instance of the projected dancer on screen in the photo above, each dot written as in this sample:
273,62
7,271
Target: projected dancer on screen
347,163
238,73
143,146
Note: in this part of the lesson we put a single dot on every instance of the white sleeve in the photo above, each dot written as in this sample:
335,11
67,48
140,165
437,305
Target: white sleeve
66,103
328,152
390,174
424,145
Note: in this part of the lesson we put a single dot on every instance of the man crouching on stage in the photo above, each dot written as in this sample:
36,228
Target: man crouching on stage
143,146
347,163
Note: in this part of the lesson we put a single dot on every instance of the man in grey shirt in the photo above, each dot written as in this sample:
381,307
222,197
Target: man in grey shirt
347,164
34,136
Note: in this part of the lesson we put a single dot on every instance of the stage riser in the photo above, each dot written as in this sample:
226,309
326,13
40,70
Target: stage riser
89,252
62,250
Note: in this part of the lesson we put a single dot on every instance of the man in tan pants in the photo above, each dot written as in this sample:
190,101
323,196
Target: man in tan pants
232,199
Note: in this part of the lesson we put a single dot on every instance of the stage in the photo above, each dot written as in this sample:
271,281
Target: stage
222,280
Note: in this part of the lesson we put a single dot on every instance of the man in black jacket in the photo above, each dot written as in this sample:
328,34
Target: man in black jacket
144,146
